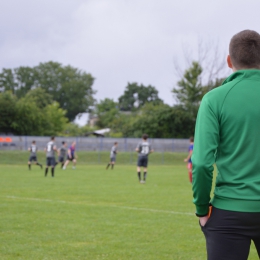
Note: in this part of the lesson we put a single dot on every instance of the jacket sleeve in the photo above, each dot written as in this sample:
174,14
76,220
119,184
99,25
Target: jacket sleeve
203,156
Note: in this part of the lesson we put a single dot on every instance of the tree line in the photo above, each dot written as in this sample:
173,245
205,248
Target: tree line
44,100
141,110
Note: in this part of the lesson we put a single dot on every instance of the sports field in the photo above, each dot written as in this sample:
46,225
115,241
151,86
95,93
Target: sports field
93,213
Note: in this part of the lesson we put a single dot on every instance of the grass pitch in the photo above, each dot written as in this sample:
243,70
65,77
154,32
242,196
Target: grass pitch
93,213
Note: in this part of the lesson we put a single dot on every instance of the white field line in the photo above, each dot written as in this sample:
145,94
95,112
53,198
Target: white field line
107,205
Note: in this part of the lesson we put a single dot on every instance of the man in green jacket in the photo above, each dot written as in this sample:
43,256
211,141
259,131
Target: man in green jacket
228,134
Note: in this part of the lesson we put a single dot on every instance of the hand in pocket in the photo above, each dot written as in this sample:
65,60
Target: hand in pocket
203,220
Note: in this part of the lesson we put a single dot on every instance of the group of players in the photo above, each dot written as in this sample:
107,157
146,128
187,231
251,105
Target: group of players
50,150
143,149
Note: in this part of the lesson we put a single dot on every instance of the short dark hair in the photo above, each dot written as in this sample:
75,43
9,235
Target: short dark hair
53,137
145,136
115,143
244,50
33,142
63,142
192,139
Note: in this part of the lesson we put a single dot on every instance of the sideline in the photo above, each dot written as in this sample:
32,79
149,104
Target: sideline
112,206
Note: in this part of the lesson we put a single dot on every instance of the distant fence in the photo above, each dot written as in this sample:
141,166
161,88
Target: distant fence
94,144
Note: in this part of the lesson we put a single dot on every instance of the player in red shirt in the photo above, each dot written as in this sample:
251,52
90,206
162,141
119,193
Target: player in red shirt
188,159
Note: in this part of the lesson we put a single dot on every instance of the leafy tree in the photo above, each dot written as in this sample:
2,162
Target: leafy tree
136,96
211,85
189,91
107,110
122,125
55,120
71,129
28,119
7,111
31,120
163,121
40,97
31,115
7,81
26,80
70,87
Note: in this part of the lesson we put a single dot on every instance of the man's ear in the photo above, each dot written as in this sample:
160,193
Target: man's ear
229,62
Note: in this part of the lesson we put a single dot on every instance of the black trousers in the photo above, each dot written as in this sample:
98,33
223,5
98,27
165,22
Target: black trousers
228,234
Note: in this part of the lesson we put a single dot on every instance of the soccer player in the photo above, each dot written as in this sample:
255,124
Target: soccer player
227,134
71,156
144,149
188,159
33,156
62,153
113,154
50,150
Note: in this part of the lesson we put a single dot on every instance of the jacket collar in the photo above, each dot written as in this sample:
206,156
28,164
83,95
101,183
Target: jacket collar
243,74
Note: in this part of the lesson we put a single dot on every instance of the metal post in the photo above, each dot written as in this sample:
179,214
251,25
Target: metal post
125,144
25,143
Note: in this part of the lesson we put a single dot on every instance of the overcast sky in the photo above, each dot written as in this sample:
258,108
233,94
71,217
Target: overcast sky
118,41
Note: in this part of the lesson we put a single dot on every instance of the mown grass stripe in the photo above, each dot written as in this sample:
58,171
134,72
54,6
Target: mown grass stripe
112,206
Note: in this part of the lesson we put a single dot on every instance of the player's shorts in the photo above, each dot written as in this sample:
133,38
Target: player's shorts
61,159
189,166
50,161
112,159
70,158
142,161
33,158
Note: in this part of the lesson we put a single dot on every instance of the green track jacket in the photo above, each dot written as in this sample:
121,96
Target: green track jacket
228,133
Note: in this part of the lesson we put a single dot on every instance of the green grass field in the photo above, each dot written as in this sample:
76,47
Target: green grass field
93,213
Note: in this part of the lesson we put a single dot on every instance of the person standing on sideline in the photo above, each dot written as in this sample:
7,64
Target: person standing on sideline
144,149
50,150
113,154
62,153
188,159
71,156
227,134
33,156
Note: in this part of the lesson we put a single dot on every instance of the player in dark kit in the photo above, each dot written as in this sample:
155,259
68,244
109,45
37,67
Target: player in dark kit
144,149
113,154
33,156
50,156
62,153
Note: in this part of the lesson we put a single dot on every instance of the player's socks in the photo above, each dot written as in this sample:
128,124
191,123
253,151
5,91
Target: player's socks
62,165
190,177
52,171
39,164
139,176
112,166
108,166
145,174
46,171
29,166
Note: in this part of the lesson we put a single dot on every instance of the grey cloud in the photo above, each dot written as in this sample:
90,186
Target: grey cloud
117,41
